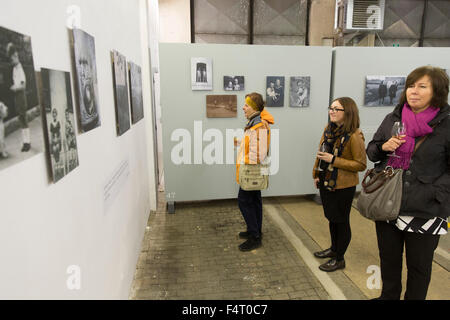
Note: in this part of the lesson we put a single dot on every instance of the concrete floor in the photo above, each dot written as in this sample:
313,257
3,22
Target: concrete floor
363,250
193,254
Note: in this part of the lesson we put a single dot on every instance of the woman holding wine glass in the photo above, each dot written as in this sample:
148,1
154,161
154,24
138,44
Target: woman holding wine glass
341,155
422,150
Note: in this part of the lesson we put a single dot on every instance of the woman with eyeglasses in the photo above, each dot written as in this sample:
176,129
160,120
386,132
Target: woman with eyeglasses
342,155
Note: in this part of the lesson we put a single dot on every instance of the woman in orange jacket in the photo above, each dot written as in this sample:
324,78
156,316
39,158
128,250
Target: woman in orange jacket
253,149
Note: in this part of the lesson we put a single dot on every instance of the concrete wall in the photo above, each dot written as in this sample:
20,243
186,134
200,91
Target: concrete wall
175,21
321,21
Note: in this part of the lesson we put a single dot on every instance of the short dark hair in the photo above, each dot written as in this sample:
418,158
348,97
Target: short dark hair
439,82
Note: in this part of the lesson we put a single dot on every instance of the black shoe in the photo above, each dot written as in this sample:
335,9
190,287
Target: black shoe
26,147
332,265
246,235
251,244
325,254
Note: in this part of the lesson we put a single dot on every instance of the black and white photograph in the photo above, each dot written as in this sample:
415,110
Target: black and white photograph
221,106
299,92
137,107
60,122
21,134
201,73
86,80
233,83
121,92
383,90
275,91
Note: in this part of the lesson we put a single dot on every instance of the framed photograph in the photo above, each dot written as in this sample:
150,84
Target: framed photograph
275,91
60,122
233,83
137,106
299,91
86,79
21,134
383,90
221,106
201,74
121,92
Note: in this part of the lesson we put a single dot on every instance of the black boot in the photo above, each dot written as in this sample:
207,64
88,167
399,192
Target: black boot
251,243
332,265
26,147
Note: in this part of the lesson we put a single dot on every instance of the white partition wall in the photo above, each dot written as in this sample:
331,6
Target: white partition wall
295,135
66,240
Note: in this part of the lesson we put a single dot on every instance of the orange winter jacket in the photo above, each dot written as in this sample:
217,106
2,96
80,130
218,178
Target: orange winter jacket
256,141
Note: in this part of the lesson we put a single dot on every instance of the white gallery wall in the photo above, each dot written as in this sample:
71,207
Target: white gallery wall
65,240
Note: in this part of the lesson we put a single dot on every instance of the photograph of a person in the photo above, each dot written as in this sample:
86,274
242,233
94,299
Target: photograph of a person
201,73
221,106
299,91
137,107
121,92
275,91
233,83
58,106
21,135
86,80
383,90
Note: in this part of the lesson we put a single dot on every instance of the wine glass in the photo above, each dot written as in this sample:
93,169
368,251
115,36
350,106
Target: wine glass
322,149
398,131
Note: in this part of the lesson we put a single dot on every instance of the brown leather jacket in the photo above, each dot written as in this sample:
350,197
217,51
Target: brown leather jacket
352,160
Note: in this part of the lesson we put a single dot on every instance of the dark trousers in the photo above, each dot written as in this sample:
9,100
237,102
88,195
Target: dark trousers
337,206
341,235
250,204
419,258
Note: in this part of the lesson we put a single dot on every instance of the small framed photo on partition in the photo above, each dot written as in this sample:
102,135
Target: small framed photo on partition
21,135
383,90
221,106
60,122
137,106
299,91
233,83
275,91
86,79
201,74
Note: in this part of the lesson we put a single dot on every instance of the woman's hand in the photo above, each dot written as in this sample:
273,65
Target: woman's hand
392,144
316,182
236,142
325,156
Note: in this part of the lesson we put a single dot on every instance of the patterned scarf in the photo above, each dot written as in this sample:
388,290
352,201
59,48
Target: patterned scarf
334,140
416,126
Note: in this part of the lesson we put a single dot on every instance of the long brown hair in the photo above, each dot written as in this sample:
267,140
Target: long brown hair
439,82
351,116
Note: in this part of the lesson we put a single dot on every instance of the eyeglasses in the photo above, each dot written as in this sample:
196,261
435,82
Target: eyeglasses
335,109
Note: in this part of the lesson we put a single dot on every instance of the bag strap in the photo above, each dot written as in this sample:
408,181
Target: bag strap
421,140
